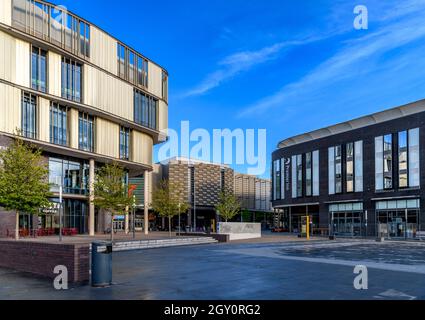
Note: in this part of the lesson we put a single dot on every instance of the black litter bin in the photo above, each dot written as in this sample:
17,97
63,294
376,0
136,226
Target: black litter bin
101,265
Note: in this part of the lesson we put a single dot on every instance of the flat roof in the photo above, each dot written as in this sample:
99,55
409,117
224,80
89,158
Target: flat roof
365,121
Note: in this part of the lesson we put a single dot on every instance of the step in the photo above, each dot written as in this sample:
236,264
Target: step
163,243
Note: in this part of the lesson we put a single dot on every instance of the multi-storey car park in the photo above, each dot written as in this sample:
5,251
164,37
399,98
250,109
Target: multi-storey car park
359,178
83,97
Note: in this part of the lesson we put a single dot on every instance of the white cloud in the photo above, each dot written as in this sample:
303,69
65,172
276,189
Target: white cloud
349,61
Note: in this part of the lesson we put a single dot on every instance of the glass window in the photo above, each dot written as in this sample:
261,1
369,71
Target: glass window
402,160
414,158
19,14
73,175
164,85
349,167
358,166
338,169
71,80
131,67
58,124
309,174
84,39
388,161
299,175
41,19
331,169
282,178
56,20
86,132
379,163
121,61
38,69
125,143
29,116
145,110
294,176
277,182
316,184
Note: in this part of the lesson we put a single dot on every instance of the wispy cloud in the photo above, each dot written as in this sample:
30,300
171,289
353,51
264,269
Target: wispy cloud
355,57
233,65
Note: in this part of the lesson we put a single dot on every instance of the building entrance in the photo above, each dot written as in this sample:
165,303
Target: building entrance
347,219
398,219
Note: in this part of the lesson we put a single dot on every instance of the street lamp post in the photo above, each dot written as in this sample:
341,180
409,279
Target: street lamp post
179,220
60,210
134,217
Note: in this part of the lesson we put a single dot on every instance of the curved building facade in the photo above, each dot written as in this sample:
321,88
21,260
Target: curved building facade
83,97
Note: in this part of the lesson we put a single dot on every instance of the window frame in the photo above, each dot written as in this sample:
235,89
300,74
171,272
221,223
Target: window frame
86,122
39,55
32,101
61,113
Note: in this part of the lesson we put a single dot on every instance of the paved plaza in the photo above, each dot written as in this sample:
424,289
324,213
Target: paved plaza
249,270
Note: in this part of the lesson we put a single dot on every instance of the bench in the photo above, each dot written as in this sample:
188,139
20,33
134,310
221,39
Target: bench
420,235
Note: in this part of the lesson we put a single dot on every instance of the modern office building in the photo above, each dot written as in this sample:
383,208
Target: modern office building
83,97
358,178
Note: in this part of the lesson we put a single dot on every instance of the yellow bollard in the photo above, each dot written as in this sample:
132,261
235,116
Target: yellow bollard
308,228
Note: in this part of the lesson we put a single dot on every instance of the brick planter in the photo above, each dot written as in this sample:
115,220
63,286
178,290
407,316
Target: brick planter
41,259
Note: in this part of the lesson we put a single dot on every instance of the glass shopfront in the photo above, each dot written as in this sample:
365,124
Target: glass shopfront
347,219
74,175
75,216
398,219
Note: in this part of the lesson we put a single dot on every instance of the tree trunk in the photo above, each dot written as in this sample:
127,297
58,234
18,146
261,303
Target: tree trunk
17,226
169,225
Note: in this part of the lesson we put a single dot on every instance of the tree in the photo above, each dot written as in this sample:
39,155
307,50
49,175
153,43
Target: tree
166,203
24,183
228,206
110,191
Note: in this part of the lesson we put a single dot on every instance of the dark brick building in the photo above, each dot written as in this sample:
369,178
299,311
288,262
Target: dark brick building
357,178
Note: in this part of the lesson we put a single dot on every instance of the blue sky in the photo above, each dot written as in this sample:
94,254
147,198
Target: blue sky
285,66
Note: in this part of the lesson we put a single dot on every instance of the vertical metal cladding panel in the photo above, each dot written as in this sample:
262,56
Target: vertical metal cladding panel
73,128
7,57
142,148
55,73
155,79
108,93
107,138
43,119
163,116
103,50
22,63
10,108
6,12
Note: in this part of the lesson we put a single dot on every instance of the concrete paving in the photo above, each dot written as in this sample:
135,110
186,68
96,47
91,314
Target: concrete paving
278,271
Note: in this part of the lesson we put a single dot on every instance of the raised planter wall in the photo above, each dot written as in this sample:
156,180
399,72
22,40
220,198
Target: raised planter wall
41,259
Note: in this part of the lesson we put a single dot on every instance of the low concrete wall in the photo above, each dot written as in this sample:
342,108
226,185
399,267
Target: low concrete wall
216,236
41,259
240,230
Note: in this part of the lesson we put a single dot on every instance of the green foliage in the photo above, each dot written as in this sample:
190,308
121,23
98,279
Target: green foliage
110,191
228,206
24,183
165,202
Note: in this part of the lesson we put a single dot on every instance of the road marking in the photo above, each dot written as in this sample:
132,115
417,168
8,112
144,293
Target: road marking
391,293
